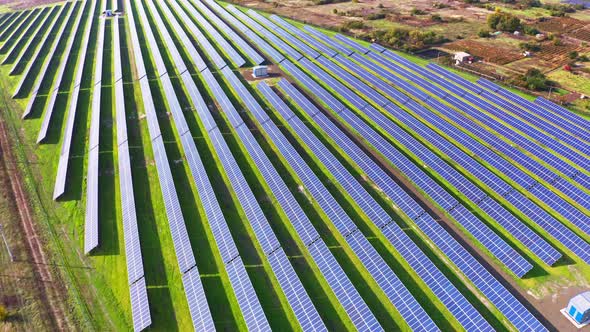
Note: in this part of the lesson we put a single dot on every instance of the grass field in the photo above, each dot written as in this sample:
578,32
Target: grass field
98,287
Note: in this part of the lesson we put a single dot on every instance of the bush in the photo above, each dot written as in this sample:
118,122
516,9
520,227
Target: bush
3,313
416,11
436,18
573,55
534,79
483,33
351,25
529,30
376,16
530,46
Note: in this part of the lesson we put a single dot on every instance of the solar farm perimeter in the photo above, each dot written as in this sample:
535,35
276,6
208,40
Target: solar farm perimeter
354,188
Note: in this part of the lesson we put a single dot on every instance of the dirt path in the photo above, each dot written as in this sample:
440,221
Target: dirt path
51,290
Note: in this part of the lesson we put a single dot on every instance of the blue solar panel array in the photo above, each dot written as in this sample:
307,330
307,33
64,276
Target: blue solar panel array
298,299
552,200
224,28
25,39
437,282
243,289
197,302
348,296
234,56
478,229
475,272
378,269
67,52
11,37
36,43
529,320
311,42
561,116
551,159
64,156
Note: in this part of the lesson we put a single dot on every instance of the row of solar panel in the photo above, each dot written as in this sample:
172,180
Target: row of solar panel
47,60
200,314
285,63
334,274
64,157
411,253
91,221
299,300
139,301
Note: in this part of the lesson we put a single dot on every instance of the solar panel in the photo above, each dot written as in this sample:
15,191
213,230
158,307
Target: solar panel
562,116
326,40
197,302
28,34
35,44
58,80
43,70
377,267
8,18
16,31
10,27
193,288
183,37
223,27
251,308
302,306
140,308
91,222
535,149
310,41
340,284
352,44
249,304
483,280
64,157
234,56
285,48
291,40
490,179
135,272
306,314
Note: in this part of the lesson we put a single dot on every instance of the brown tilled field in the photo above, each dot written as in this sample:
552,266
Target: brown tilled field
560,24
487,52
24,4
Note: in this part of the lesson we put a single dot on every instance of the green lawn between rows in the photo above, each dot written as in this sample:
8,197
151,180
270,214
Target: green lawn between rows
108,299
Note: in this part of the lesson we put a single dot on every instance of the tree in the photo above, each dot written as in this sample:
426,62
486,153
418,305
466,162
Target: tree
503,21
573,55
535,79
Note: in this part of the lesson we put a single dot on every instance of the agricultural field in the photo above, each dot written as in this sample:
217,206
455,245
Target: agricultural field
152,181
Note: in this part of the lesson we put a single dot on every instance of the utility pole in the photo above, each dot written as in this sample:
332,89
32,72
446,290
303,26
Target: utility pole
6,244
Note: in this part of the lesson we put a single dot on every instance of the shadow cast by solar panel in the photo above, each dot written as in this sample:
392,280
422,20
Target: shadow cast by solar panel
57,123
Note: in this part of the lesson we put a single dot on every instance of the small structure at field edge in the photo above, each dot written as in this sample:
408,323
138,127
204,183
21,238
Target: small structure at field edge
578,309
260,71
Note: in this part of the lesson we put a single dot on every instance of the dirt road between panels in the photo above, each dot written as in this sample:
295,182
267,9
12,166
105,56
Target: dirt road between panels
50,288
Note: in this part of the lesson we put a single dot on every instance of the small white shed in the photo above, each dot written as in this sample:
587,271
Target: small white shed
579,308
